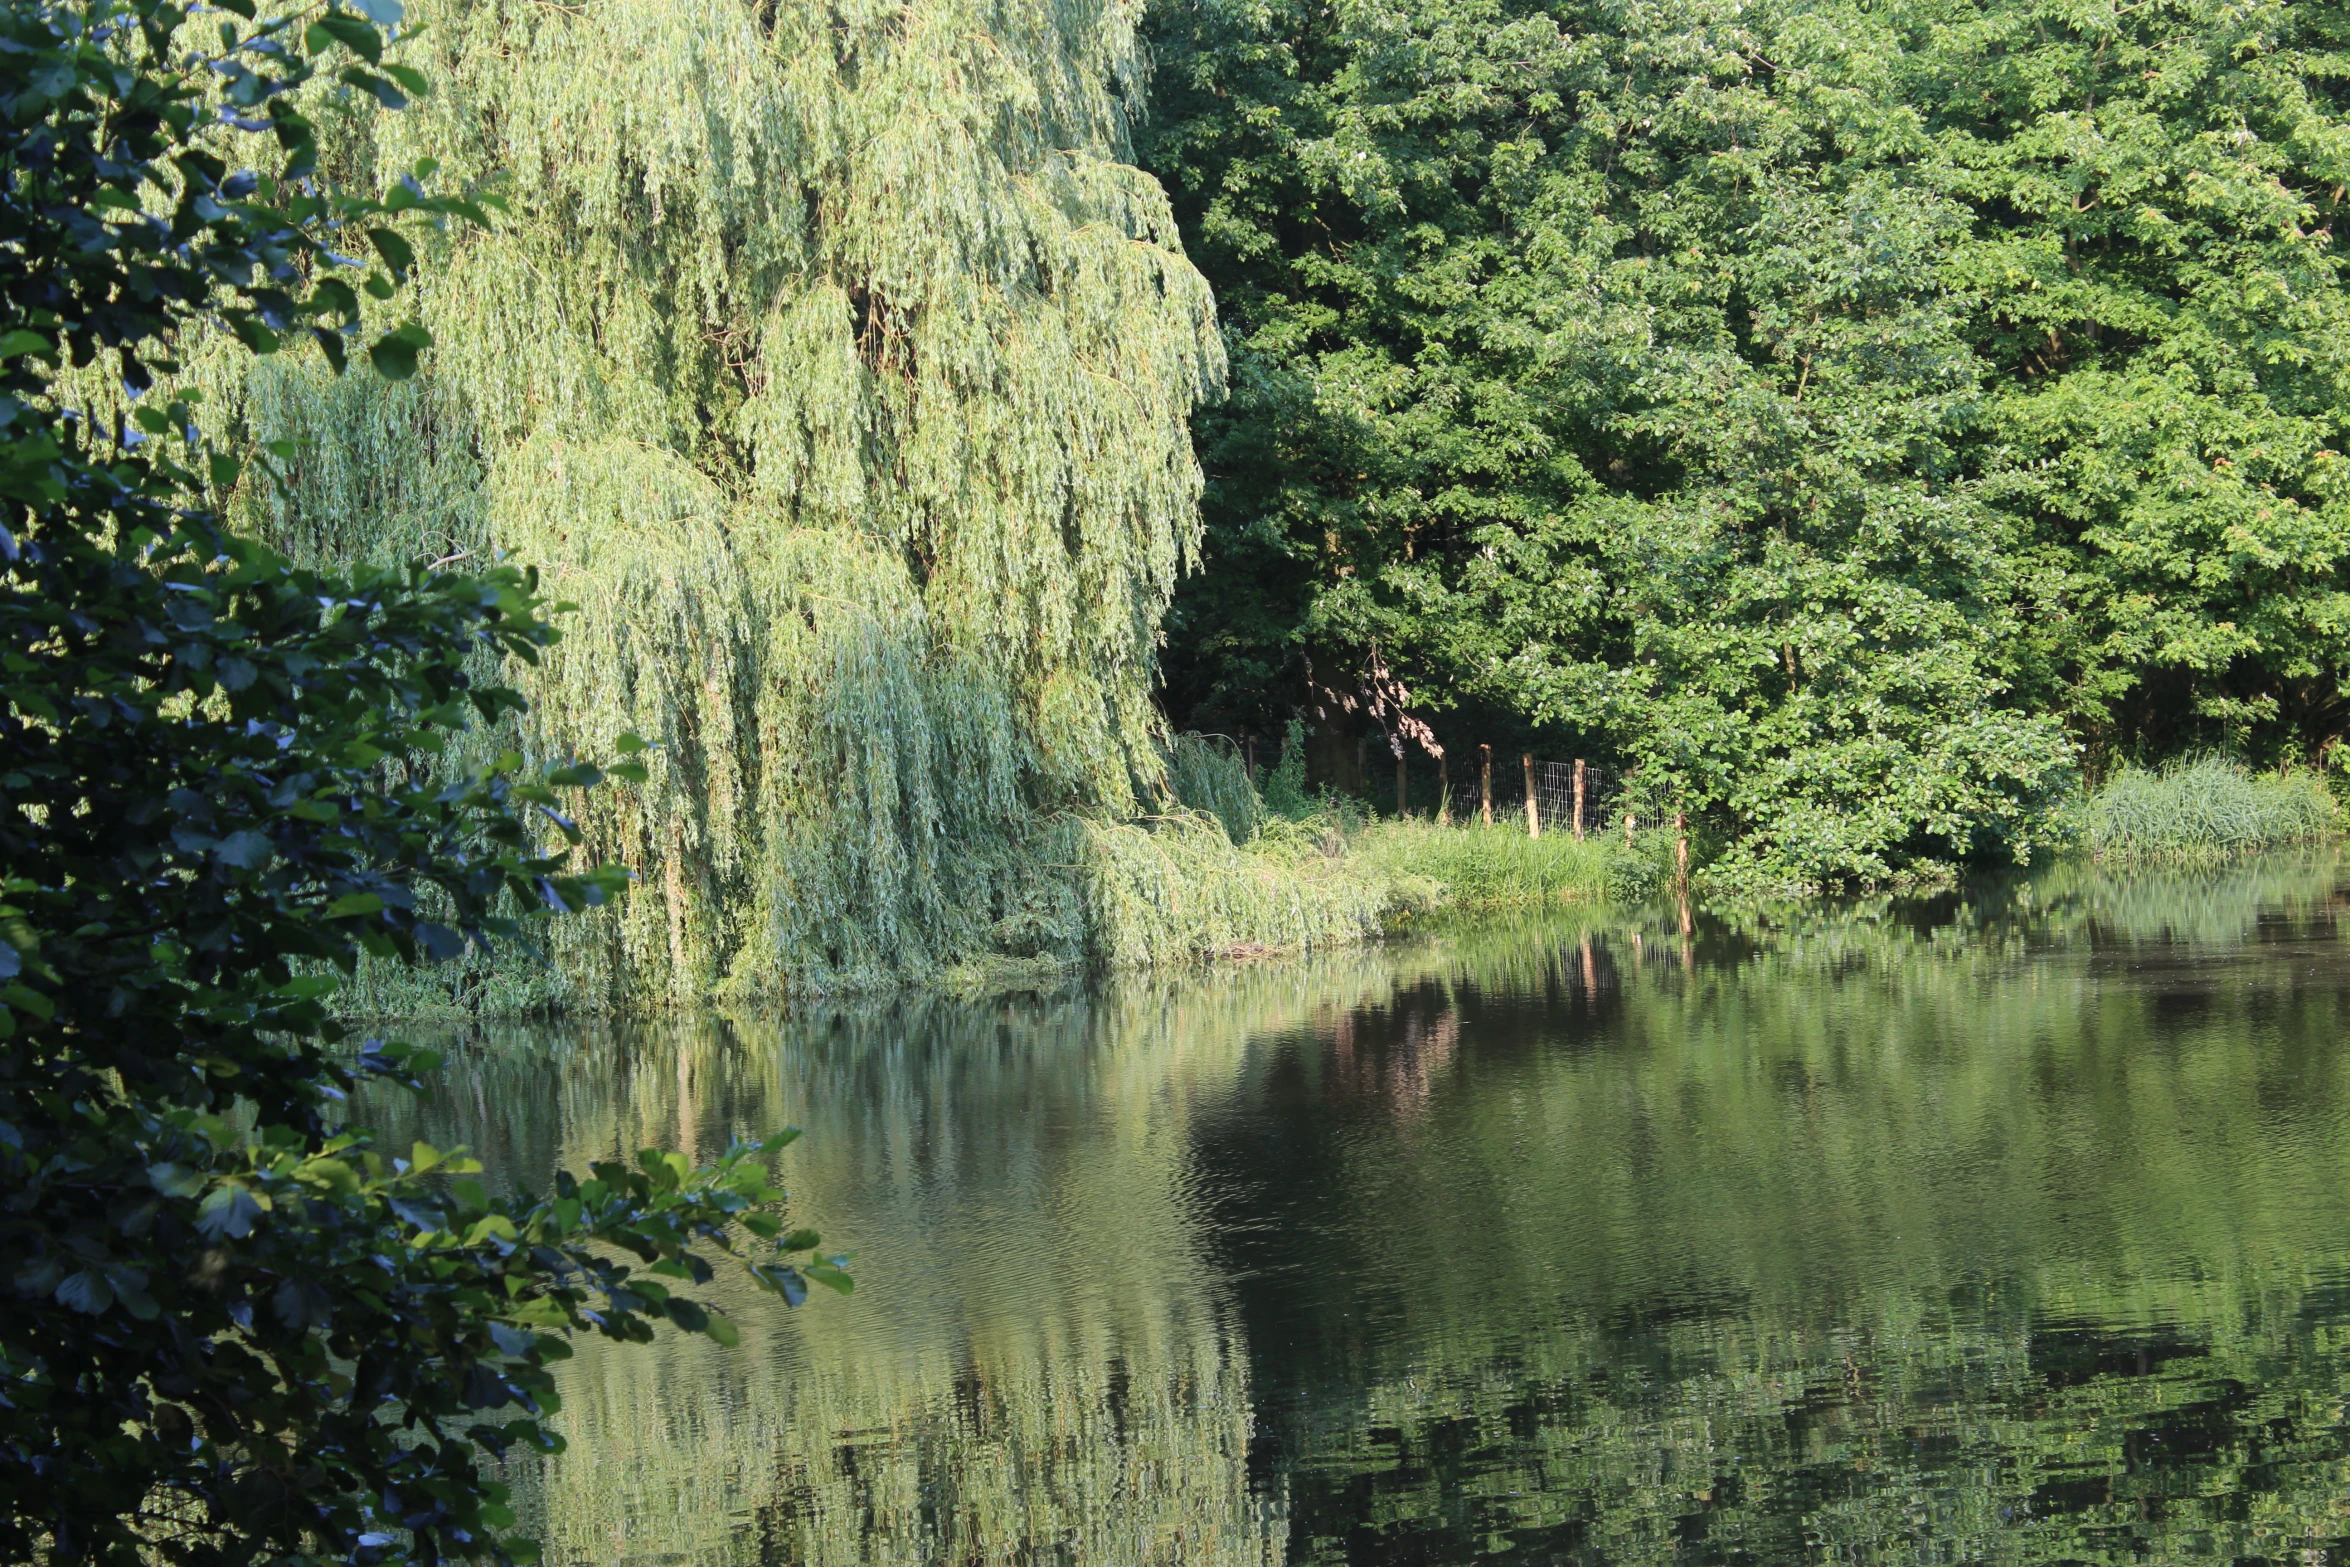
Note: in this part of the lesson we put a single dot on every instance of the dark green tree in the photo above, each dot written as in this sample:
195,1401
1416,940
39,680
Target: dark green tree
1857,417
230,1329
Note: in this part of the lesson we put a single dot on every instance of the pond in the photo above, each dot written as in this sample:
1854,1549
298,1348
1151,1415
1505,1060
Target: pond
2004,1226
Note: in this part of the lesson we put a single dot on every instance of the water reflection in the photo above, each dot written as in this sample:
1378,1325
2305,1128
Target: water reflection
2012,1226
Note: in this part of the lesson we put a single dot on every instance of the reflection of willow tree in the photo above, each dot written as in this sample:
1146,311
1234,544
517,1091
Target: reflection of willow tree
1894,1232
2002,1228
1037,1351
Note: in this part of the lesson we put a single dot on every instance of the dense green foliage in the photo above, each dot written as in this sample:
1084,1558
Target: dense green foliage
2206,807
1859,418
232,1329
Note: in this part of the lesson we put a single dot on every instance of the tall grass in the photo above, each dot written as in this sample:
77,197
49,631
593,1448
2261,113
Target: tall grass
1492,867
2206,808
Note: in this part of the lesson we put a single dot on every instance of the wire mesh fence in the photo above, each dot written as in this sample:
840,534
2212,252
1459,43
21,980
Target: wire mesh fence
1465,787
1475,788
1578,796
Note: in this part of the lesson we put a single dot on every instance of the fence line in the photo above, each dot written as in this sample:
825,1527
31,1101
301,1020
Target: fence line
1455,786
1553,789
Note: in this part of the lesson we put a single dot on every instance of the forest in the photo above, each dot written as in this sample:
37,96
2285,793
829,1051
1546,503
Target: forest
1876,420
635,507
1864,428
1863,431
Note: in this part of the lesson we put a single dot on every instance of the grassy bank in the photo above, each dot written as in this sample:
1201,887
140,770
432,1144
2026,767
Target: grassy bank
2207,808
1492,867
1225,870
1164,891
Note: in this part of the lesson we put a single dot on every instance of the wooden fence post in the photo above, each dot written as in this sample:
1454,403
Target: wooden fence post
1681,854
1399,794
1443,791
1533,815
1627,829
1485,787
1578,799
1252,759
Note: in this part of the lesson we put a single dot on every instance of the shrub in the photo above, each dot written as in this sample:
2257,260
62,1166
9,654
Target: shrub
1205,773
1285,786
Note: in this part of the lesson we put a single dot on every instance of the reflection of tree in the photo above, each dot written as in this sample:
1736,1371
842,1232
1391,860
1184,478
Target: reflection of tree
1038,1354
1887,1231
1910,1438
1940,1230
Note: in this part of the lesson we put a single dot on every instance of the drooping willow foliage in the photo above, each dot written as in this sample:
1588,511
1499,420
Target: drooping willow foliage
836,363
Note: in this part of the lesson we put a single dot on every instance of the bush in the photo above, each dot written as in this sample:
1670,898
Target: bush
2205,808
231,1330
1285,786
1176,890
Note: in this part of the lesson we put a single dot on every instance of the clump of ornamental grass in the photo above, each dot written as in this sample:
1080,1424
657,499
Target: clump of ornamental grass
2206,808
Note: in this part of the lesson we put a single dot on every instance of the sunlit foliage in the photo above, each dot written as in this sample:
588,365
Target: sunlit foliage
837,365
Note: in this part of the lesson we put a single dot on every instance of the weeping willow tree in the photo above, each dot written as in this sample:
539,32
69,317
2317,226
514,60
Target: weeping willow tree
835,362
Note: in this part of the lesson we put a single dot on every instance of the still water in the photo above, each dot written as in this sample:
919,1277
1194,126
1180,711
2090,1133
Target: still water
2005,1227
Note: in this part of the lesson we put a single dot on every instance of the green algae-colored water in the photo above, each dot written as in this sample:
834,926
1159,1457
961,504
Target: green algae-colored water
2004,1226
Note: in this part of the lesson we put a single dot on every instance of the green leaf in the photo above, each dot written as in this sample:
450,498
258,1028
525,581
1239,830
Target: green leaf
229,1212
514,1342
383,90
86,1291
301,1304
394,354
488,1226
354,903
24,998
175,1180
248,849
352,32
396,251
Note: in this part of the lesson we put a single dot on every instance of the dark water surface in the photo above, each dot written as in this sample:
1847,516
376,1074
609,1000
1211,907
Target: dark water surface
2007,1227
